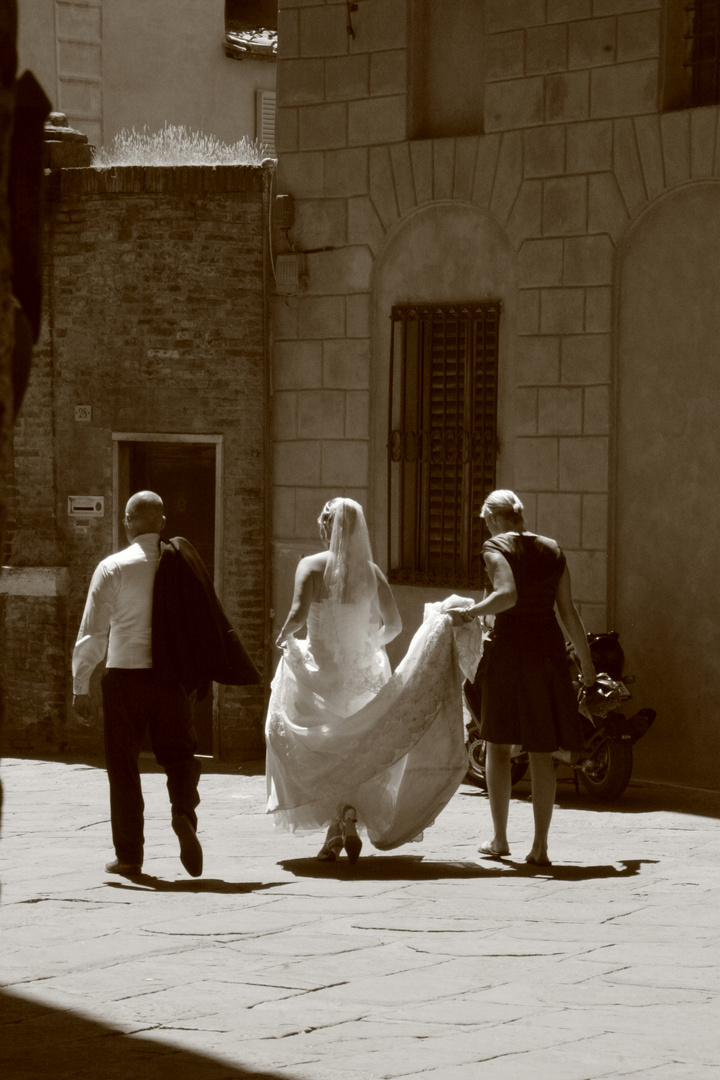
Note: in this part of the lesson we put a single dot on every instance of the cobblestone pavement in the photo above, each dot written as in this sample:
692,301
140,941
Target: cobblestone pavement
427,962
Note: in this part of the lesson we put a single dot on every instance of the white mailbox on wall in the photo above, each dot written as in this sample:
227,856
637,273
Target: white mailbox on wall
86,506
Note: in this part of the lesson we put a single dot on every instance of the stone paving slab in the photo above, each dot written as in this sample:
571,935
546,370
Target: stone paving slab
426,962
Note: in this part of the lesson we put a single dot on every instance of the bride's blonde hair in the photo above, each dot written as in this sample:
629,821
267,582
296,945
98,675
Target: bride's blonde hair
350,572
327,514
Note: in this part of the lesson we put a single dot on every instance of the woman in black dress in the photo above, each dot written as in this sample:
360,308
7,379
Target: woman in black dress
526,689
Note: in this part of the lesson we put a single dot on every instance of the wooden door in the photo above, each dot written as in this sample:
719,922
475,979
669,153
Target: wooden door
183,475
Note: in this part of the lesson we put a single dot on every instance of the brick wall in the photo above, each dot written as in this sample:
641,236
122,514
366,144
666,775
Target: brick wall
32,633
155,318
8,64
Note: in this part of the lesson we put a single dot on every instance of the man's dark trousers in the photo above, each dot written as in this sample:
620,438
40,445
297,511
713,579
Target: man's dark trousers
134,701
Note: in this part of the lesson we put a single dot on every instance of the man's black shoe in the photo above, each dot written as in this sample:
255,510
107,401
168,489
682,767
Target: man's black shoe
191,855
124,868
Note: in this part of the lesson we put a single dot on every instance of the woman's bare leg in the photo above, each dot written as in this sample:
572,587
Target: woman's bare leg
497,769
542,775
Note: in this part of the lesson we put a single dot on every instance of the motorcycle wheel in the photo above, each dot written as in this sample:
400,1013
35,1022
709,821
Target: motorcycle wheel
611,771
476,766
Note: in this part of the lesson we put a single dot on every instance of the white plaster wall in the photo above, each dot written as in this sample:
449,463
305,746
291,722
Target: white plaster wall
36,43
169,65
145,63
667,594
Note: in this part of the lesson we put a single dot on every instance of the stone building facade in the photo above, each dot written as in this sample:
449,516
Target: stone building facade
547,157
150,372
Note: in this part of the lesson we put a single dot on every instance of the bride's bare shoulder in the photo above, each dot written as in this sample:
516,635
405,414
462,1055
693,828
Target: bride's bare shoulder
313,564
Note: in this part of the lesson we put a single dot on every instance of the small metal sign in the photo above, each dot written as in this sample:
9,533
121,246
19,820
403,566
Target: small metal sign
86,506
83,414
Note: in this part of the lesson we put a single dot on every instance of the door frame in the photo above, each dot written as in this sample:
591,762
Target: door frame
139,436
216,440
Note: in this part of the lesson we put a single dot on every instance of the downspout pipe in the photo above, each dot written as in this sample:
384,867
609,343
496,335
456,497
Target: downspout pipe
269,168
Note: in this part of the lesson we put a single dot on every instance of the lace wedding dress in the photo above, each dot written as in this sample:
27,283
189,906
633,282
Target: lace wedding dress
341,729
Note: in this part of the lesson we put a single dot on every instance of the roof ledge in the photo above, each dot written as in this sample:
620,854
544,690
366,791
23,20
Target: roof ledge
253,43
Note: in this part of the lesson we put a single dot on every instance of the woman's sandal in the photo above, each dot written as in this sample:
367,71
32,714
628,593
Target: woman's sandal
331,849
489,852
353,843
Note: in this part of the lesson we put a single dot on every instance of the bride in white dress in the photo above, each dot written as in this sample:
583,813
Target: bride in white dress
348,744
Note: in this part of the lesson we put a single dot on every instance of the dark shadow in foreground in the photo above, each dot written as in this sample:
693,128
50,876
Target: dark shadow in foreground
150,883
415,868
39,1041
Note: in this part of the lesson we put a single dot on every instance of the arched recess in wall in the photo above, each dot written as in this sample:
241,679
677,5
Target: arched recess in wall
667,511
441,253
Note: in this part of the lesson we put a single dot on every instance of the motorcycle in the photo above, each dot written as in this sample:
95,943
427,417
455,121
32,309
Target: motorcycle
604,766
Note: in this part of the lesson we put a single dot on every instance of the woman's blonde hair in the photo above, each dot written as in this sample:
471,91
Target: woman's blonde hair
504,503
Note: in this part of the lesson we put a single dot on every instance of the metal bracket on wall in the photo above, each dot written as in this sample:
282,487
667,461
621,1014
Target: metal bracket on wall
351,7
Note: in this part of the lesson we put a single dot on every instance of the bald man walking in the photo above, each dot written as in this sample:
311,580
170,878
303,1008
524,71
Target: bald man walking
118,619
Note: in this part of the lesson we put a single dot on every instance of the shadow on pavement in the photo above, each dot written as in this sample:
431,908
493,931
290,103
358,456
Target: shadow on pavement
150,883
384,868
641,797
39,1041
623,868
415,868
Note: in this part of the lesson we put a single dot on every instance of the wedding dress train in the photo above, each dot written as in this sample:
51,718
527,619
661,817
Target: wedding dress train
341,729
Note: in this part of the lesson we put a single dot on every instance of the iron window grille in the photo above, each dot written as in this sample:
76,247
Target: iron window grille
702,40
442,444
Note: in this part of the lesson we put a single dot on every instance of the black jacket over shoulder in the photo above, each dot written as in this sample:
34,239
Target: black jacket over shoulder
193,641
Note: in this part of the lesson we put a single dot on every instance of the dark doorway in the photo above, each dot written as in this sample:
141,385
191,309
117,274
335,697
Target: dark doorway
183,475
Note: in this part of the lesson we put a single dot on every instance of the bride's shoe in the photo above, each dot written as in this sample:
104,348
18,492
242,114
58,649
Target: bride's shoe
331,849
353,843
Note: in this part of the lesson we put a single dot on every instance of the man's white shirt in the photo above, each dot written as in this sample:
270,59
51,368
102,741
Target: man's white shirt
118,612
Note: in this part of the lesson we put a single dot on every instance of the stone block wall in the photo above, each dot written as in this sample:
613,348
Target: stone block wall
572,150
576,62
339,97
155,318
551,208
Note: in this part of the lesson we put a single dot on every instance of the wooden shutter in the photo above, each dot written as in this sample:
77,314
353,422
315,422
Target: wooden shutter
265,118
705,51
442,444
